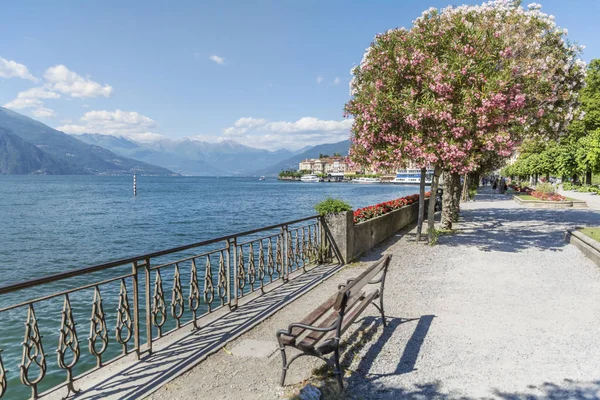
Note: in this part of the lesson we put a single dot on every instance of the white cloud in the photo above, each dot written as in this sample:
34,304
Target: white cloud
43,112
31,98
259,132
128,124
12,69
336,81
217,59
61,79
320,79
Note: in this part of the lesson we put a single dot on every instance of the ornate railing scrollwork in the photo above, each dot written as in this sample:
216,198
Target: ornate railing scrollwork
241,271
194,298
223,283
177,304
251,267
209,290
33,353
68,341
289,252
261,264
98,330
159,308
270,261
279,256
3,381
124,327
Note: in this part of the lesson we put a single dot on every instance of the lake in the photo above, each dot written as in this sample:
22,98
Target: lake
50,224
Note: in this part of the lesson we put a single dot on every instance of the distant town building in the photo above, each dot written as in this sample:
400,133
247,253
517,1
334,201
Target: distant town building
334,166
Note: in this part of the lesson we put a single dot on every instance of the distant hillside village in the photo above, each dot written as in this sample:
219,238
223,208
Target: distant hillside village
336,167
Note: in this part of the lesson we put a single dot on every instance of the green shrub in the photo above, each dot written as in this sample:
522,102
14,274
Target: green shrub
332,206
545,187
567,186
585,189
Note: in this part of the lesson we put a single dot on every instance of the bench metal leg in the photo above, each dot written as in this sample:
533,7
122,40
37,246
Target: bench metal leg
284,367
381,310
338,371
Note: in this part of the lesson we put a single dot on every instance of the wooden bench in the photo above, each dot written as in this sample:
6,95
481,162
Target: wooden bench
318,334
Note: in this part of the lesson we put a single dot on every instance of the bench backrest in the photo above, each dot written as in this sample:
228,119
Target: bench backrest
355,286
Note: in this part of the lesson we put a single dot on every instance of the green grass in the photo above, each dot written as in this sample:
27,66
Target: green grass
525,196
593,233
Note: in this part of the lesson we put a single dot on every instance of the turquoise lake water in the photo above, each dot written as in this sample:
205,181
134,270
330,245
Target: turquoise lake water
50,224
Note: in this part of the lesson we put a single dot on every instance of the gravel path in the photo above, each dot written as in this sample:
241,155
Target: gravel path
503,308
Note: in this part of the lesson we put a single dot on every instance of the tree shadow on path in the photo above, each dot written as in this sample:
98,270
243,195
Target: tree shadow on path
517,229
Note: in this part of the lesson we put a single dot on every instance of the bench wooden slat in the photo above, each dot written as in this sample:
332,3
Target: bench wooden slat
353,314
309,320
357,284
314,336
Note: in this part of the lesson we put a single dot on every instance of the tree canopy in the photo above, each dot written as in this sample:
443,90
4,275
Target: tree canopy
463,83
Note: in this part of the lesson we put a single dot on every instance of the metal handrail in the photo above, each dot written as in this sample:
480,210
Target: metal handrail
101,267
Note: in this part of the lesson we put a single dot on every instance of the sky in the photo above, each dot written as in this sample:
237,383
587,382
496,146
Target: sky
268,74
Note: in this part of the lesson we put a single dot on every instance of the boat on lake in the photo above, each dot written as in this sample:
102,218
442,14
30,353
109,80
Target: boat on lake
412,176
262,178
310,178
366,180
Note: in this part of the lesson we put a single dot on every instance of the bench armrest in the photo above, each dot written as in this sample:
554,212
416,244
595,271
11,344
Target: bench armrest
288,331
341,285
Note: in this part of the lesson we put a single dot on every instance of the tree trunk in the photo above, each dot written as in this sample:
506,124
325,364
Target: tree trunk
465,188
421,205
547,177
588,177
431,209
451,199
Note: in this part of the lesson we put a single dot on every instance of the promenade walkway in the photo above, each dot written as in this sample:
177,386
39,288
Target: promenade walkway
503,309
592,200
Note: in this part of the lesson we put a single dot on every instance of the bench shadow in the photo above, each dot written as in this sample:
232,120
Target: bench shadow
407,360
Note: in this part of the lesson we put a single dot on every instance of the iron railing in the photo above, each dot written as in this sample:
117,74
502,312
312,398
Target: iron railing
216,272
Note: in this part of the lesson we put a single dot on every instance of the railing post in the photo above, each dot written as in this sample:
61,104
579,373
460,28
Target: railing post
232,266
323,239
286,266
136,310
148,306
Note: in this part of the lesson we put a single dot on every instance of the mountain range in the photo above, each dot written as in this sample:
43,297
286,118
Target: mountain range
226,158
192,157
29,147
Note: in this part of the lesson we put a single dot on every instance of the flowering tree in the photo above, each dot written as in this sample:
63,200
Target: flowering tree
463,82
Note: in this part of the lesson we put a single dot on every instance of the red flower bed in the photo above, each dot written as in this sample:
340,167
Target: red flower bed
366,213
548,196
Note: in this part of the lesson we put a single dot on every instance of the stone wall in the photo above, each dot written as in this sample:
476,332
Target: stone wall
351,240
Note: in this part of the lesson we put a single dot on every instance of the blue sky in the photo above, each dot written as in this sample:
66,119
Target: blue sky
278,76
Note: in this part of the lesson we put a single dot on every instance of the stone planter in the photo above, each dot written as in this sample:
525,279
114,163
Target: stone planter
586,244
550,204
351,240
